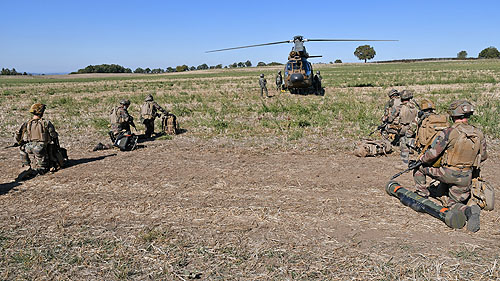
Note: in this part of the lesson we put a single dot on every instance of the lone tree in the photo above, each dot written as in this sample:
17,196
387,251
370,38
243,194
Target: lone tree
462,55
365,52
489,53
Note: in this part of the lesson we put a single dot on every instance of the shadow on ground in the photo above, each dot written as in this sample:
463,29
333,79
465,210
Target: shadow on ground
6,187
74,162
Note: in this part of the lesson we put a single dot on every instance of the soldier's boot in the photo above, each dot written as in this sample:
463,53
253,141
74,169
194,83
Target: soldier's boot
25,172
473,218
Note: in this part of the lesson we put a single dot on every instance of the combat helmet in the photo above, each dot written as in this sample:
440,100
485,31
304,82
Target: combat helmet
279,72
149,98
317,72
393,93
37,109
262,75
406,95
460,108
427,104
125,102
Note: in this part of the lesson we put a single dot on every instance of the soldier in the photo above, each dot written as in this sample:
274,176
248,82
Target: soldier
34,137
452,159
120,132
317,82
389,129
149,113
263,87
279,81
406,112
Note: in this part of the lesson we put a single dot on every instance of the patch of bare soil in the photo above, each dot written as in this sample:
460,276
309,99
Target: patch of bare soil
186,209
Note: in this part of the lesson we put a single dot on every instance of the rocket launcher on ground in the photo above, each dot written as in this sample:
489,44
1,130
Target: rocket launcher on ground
451,217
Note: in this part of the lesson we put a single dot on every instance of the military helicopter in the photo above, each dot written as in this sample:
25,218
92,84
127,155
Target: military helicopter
299,77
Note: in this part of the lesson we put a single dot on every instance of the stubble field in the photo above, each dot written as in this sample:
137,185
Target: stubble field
253,189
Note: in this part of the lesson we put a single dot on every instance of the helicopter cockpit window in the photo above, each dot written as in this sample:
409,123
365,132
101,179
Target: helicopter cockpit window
307,67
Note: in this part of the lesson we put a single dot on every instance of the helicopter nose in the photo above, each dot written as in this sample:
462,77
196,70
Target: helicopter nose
297,78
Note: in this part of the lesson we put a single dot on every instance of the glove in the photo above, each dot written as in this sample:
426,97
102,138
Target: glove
414,164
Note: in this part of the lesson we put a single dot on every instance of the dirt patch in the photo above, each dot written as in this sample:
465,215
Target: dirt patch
188,208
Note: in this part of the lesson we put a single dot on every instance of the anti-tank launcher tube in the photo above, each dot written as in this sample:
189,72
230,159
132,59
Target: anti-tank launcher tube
452,218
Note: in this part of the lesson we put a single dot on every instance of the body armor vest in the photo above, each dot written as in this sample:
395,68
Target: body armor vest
147,110
407,114
37,130
464,147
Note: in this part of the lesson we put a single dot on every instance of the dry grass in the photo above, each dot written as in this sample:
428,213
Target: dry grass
250,191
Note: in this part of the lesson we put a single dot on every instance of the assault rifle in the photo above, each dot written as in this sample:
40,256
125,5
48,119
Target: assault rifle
380,128
411,166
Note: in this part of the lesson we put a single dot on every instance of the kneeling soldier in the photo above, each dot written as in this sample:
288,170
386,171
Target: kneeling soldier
34,137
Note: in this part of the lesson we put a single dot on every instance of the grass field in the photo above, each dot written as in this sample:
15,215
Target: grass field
254,189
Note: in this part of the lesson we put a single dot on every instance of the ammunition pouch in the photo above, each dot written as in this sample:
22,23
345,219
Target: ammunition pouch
482,194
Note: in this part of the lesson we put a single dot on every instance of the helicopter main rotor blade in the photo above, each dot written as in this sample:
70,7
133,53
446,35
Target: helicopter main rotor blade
344,40
249,46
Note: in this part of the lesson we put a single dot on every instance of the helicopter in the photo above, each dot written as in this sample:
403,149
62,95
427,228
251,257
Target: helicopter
299,77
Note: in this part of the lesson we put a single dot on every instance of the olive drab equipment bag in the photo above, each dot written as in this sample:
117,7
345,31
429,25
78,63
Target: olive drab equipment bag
465,151
367,148
125,141
482,194
169,124
430,126
147,109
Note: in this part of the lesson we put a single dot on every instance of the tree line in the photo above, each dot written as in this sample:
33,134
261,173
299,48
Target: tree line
6,71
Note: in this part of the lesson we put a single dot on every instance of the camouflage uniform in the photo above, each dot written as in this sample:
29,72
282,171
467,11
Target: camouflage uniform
406,114
390,116
279,81
34,137
317,81
148,116
456,178
263,87
123,120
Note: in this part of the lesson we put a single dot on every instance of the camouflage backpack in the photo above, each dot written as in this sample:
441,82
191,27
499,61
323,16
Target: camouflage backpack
113,116
368,148
430,126
482,194
169,124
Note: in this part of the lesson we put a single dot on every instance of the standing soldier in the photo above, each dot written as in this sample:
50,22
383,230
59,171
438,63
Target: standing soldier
406,112
317,82
34,137
149,112
452,159
279,81
390,118
263,87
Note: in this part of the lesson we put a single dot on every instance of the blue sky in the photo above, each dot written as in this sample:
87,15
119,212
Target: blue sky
63,36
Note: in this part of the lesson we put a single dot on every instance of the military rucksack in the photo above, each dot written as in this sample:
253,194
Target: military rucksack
430,126
147,110
169,124
368,148
482,194
125,141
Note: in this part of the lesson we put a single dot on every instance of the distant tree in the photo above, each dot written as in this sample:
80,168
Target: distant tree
212,67
234,65
274,63
202,66
338,61
139,70
365,52
462,55
24,73
170,69
489,53
218,66
104,68
147,70
192,68
181,68
128,70
261,63
248,63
